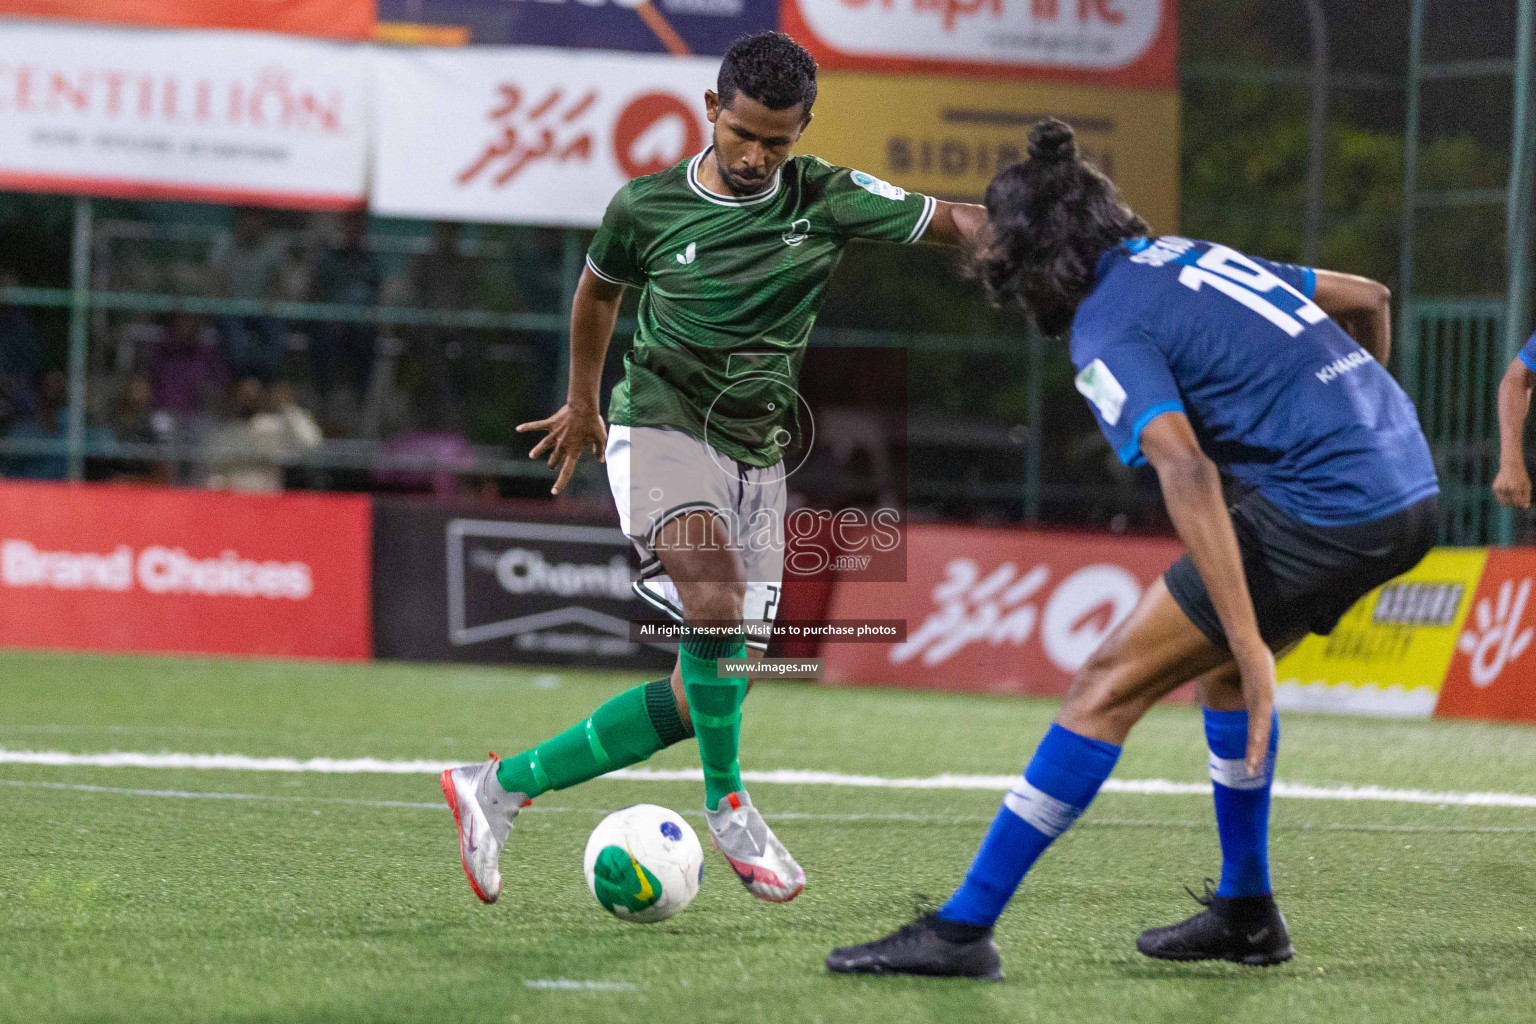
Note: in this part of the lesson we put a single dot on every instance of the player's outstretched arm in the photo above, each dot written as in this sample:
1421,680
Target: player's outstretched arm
1512,487
1191,487
578,424
955,223
1361,306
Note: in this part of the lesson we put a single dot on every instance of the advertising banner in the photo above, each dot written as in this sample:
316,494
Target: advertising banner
948,136
1128,44
655,26
1390,652
482,588
335,19
998,611
521,134
1493,670
205,116
197,572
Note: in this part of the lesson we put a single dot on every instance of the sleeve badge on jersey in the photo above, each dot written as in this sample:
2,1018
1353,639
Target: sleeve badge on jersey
872,184
1100,387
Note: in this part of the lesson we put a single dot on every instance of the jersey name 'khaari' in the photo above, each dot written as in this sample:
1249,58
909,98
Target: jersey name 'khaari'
730,287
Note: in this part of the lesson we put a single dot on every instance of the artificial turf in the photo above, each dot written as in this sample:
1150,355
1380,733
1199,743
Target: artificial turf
339,897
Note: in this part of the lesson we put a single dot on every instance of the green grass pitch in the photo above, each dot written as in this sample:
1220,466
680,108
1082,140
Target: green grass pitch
340,898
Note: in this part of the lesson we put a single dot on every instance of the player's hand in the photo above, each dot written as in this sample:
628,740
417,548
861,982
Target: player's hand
571,431
1512,487
1256,666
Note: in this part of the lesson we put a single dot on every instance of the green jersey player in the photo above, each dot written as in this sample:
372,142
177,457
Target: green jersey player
732,251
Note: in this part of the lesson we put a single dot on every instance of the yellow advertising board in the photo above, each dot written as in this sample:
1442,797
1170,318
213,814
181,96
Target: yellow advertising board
948,136
1390,651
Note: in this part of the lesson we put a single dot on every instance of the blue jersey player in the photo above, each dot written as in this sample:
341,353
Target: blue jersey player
1512,487
1196,359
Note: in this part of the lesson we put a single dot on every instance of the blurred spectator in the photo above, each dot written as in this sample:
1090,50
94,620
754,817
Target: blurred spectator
49,423
285,405
246,263
245,452
185,370
541,280
136,421
440,440
21,359
343,352
443,278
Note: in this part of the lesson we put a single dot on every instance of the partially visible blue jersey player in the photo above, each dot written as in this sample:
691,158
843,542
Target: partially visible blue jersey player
1196,359
1512,485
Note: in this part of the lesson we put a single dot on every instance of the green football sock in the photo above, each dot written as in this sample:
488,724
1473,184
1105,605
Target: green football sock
715,705
624,731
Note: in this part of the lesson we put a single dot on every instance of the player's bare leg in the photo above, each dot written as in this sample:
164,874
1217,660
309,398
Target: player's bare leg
710,582
1153,652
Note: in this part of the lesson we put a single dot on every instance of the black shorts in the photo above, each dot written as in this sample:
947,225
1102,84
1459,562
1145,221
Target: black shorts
1303,578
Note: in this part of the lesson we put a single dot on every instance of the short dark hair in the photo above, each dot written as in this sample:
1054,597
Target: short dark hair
771,68
1049,219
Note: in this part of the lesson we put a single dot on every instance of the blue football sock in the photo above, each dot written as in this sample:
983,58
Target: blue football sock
1061,780
1242,803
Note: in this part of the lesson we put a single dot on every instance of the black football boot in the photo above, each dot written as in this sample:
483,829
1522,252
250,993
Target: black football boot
927,947
1245,930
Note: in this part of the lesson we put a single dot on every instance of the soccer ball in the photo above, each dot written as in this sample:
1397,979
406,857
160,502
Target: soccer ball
644,863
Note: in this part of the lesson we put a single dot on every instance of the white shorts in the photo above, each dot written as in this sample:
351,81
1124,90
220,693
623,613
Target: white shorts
658,474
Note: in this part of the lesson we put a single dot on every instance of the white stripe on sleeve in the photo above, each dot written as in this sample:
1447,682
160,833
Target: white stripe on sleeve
606,277
929,205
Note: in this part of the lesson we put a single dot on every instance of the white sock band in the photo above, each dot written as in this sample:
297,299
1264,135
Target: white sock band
1039,810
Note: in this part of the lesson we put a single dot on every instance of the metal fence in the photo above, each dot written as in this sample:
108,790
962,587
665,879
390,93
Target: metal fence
1453,355
1031,454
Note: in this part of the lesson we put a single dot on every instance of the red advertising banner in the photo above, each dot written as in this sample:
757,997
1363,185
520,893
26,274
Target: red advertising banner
331,19
111,568
997,611
1126,44
1493,670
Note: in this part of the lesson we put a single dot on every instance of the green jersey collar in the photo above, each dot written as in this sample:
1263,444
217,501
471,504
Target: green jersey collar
724,200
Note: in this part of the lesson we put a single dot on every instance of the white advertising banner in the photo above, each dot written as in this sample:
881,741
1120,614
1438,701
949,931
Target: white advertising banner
996,32
1123,43
233,117
527,134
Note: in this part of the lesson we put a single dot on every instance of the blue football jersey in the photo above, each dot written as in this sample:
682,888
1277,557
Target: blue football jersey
1278,394
1527,353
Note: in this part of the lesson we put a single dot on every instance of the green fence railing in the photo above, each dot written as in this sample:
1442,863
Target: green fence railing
1453,356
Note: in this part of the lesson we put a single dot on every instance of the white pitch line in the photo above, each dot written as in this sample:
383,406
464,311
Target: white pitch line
919,819
185,794
786,776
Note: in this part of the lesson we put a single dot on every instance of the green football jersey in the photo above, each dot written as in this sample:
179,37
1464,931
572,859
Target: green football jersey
730,287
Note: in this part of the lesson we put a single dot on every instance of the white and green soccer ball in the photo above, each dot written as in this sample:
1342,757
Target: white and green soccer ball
644,863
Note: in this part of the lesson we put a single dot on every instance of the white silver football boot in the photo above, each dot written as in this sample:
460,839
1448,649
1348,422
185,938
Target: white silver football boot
753,851
484,813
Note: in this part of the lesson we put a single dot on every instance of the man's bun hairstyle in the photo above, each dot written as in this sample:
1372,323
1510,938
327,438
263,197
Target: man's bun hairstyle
1052,141
1049,219
771,68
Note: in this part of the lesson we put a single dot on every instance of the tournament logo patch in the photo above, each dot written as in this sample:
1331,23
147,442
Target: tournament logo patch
1100,387
873,185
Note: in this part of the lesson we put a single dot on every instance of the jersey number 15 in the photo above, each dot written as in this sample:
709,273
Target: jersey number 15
1238,277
